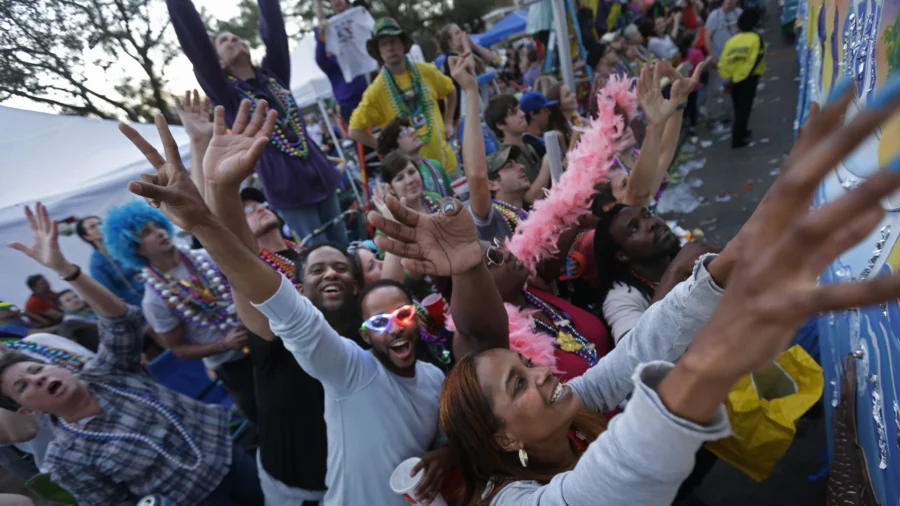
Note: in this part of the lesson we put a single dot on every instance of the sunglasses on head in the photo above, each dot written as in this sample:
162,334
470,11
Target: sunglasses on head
402,316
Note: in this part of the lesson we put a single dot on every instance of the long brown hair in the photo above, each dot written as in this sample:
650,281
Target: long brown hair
470,424
558,120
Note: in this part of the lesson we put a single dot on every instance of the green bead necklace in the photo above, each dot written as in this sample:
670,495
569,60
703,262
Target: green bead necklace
422,115
293,118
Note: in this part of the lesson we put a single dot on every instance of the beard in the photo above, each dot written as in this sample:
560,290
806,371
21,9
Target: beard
267,227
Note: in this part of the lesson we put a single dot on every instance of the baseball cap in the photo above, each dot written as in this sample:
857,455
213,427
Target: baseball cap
534,100
254,194
496,160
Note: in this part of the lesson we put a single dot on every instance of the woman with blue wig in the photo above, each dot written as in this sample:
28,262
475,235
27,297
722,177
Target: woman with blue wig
125,282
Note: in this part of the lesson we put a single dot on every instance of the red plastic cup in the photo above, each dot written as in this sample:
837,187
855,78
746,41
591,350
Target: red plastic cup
435,304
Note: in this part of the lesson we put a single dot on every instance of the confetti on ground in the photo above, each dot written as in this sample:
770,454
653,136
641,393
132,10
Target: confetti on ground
688,148
775,172
695,183
694,139
705,144
773,78
774,161
764,140
724,137
723,197
752,144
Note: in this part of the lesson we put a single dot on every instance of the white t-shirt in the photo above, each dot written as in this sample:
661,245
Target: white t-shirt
721,26
345,38
662,47
163,319
623,307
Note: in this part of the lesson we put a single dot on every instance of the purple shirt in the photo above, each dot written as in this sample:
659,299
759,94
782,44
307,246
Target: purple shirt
531,75
346,94
289,182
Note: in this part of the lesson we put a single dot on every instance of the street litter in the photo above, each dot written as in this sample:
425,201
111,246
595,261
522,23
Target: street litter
705,144
775,171
695,183
678,199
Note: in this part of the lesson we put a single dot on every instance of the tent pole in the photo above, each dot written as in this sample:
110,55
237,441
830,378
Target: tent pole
340,150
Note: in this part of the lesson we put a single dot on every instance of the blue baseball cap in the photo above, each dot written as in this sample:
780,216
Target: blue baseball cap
534,100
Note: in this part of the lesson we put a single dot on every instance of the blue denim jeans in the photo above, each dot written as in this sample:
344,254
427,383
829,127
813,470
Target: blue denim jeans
304,220
240,487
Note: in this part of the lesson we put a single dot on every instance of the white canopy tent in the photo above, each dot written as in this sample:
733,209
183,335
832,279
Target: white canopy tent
308,83
77,167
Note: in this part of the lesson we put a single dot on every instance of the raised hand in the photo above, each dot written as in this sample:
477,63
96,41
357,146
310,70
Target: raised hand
380,202
656,108
439,244
682,86
45,249
782,249
462,70
171,188
194,115
231,156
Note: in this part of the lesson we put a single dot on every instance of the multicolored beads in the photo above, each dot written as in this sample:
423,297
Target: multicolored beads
292,118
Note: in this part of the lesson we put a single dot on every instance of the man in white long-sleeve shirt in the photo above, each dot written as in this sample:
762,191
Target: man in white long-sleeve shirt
381,405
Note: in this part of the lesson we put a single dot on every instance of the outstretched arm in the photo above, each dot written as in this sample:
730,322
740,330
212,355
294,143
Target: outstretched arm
195,42
462,68
225,167
274,36
338,363
46,252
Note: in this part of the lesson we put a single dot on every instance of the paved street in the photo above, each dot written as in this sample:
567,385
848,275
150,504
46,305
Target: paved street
733,182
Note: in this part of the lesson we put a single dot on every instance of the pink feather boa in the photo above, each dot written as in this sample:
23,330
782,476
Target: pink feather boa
589,161
536,346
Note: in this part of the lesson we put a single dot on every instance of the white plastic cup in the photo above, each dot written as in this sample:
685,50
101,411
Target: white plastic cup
404,484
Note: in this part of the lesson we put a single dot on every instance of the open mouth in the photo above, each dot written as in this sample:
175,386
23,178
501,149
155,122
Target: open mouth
332,291
54,387
559,392
401,348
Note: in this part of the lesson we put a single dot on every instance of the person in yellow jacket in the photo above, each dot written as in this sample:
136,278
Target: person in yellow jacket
408,89
741,65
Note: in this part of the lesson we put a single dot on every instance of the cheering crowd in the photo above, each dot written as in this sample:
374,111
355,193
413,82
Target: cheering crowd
547,340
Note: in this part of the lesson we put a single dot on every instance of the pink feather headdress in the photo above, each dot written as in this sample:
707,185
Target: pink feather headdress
535,346
589,161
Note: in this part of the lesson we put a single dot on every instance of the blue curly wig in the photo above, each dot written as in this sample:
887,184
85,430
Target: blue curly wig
122,227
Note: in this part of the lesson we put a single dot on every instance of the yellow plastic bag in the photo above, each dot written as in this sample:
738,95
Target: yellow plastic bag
763,408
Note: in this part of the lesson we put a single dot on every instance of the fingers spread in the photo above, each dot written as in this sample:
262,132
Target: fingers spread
259,115
219,120
848,235
169,145
149,152
401,213
830,149
826,221
847,295
419,267
240,121
402,249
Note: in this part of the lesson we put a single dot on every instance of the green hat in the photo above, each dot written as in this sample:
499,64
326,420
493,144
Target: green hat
496,160
386,26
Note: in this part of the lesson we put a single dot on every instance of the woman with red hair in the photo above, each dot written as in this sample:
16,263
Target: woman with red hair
523,437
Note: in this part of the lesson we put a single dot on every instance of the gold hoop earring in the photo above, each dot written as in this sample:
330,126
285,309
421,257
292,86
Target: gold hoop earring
523,457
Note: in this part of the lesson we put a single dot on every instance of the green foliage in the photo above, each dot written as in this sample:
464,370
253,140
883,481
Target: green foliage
891,38
44,45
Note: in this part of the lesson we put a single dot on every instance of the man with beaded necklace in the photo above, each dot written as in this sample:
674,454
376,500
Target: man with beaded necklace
186,300
298,179
119,434
408,89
